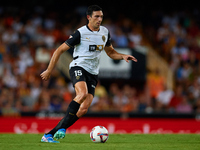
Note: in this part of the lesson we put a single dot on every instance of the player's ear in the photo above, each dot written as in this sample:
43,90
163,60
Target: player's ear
88,17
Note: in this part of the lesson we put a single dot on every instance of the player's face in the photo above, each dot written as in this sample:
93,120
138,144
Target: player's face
96,19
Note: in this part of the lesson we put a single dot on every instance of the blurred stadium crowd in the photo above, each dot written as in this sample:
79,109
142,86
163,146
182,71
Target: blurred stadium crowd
28,39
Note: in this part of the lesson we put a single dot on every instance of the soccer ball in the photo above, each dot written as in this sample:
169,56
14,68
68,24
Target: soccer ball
99,134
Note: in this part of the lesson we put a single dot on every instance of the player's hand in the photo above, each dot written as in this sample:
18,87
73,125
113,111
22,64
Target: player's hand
45,75
129,57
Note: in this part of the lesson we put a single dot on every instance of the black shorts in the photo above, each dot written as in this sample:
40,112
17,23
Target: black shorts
79,74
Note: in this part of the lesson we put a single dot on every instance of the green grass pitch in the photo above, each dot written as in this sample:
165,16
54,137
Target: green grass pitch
115,142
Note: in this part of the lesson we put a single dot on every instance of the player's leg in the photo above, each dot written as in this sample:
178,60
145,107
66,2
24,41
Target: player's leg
80,85
82,110
84,98
92,81
84,106
81,94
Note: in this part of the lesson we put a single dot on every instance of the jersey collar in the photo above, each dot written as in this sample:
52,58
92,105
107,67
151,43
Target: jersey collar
91,30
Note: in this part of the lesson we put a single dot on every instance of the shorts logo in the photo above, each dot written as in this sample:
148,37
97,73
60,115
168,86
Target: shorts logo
77,77
93,86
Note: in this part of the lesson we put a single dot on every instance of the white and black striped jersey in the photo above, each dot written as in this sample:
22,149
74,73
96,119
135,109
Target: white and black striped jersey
88,45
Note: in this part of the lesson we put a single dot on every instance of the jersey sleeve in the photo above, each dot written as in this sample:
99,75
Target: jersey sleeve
108,43
74,39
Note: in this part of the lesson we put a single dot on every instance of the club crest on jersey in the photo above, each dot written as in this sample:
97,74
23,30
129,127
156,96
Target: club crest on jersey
103,38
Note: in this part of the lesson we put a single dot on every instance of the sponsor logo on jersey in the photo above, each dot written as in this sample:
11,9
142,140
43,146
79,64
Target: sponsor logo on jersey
92,47
99,47
96,47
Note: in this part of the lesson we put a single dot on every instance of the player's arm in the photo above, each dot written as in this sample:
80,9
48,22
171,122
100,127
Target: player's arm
112,53
54,59
73,40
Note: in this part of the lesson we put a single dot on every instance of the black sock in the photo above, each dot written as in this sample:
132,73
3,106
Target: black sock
69,119
74,119
54,130
71,112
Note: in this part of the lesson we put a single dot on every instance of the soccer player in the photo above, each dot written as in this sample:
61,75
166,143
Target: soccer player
88,42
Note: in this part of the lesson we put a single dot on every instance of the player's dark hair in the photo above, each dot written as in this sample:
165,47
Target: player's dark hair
93,8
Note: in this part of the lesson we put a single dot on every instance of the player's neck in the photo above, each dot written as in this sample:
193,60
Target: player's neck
92,28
